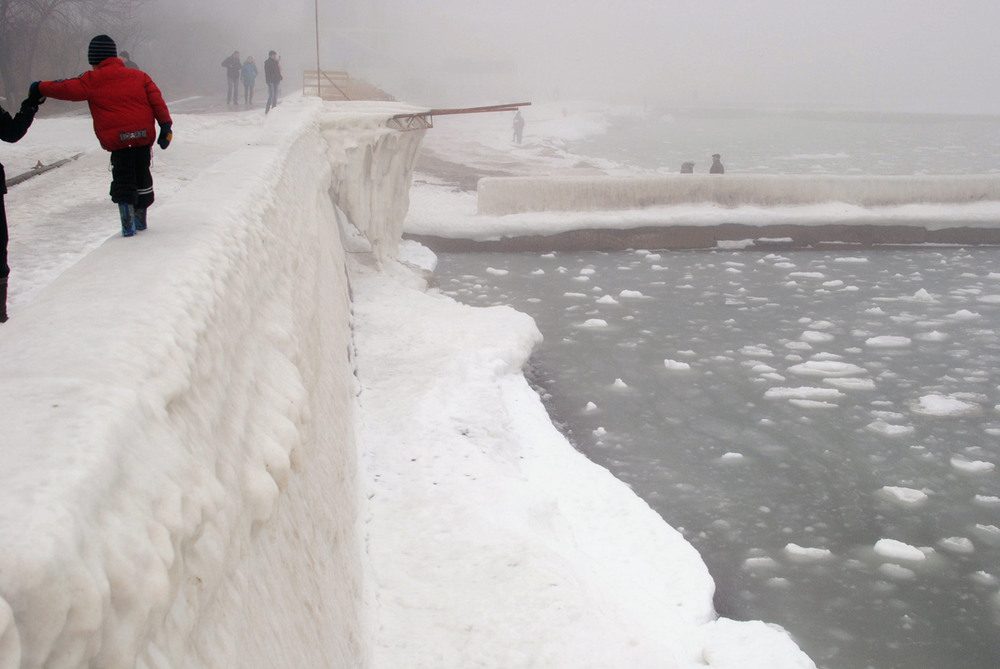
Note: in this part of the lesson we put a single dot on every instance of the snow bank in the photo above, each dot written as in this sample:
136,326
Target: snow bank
513,195
179,483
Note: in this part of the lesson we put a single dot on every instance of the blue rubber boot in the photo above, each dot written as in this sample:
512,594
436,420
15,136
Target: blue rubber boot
127,212
140,218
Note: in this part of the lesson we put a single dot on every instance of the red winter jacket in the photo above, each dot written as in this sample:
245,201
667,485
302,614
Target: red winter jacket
123,102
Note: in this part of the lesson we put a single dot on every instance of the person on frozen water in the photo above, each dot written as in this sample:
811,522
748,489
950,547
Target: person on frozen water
687,168
716,167
124,104
12,128
518,126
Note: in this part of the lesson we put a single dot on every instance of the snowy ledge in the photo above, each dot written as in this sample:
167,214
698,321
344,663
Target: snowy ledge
179,480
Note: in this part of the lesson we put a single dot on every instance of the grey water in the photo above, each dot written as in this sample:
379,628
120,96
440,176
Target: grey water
772,407
793,414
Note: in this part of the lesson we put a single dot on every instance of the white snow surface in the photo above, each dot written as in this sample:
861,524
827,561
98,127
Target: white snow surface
210,461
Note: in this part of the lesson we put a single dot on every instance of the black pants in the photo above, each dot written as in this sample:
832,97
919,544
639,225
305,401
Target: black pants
131,180
4,269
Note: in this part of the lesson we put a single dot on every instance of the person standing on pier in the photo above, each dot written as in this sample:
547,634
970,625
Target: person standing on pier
272,76
234,67
11,130
716,167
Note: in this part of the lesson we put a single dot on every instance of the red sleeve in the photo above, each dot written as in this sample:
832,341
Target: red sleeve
160,110
64,89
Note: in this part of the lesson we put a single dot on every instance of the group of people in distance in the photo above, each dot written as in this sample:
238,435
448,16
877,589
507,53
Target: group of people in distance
716,168
126,105
246,71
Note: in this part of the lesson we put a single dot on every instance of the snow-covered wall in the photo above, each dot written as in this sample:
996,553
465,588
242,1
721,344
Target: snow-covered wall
512,195
179,482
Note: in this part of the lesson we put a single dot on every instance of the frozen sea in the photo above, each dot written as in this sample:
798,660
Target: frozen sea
822,426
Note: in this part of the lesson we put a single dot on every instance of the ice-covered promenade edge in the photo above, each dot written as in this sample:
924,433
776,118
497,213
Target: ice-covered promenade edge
250,437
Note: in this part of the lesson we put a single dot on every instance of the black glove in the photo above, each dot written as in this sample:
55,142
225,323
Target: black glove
35,96
165,136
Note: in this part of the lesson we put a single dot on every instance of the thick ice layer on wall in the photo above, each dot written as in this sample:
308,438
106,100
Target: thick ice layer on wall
178,477
512,195
373,166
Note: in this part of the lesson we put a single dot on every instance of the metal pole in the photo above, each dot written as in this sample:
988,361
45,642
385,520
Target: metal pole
319,92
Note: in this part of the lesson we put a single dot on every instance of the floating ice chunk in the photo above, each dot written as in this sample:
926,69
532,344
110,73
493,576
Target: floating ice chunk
887,341
971,466
574,295
933,335
989,299
600,432
594,323
761,368
897,572
987,500
607,299
803,392
675,365
850,259
756,563
851,383
808,275
987,533
497,272
631,293
757,350
963,315
875,311
731,457
985,578
943,405
807,554
835,283
814,337
538,272
897,550
889,430
826,368
902,496
619,384
957,545
588,270
812,404
923,296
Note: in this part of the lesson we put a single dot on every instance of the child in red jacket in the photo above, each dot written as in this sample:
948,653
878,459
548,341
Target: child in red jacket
124,104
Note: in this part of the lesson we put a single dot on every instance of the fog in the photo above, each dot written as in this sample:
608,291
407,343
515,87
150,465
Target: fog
892,55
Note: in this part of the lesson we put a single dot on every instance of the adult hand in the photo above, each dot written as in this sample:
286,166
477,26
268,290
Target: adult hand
35,96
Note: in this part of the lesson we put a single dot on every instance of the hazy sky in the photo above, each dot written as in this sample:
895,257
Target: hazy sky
905,55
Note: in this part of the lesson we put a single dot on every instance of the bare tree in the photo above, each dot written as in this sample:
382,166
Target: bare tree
49,37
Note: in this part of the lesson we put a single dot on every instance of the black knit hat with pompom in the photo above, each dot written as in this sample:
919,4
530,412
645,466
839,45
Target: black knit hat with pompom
101,48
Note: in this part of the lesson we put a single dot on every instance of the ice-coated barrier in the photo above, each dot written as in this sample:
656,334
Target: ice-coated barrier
179,483
513,195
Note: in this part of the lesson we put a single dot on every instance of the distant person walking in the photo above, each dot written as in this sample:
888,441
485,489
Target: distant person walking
233,70
716,167
249,76
272,75
128,61
518,126
124,104
11,130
